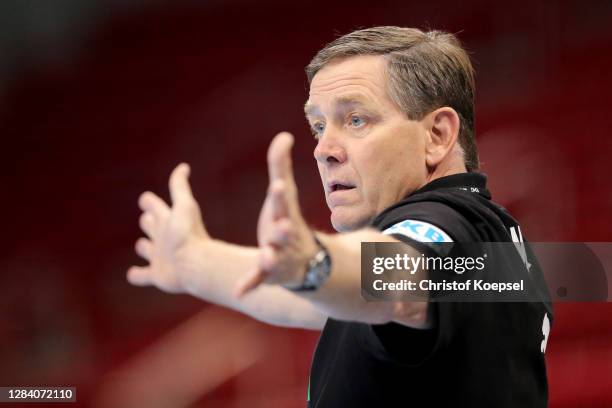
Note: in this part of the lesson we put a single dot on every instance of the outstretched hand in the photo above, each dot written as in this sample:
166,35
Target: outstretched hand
285,241
171,233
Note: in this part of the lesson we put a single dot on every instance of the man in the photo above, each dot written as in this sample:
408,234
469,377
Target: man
393,113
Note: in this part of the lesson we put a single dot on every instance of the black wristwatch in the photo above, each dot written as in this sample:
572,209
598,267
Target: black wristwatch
317,271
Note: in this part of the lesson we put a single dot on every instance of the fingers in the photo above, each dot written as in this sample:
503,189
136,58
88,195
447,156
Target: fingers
180,191
278,197
267,260
150,202
139,275
280,169
279,158
147,224
281,233
144,248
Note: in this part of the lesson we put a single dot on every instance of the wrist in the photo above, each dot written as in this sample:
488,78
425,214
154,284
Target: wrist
316,269
192,262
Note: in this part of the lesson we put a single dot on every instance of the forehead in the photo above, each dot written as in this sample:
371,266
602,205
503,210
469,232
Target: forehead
362,77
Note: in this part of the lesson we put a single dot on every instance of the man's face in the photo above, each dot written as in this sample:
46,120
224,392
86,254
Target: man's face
369,154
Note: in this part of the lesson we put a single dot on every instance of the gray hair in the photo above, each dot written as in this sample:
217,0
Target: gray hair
426,70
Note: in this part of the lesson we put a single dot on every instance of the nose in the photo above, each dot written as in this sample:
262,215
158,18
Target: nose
330,149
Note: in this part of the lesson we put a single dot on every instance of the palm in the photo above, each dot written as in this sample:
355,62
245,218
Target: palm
173,234
284,239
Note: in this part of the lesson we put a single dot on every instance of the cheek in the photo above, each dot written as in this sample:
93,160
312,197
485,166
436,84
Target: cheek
390,171
373,172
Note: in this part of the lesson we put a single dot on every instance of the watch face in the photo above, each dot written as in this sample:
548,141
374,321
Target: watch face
317,273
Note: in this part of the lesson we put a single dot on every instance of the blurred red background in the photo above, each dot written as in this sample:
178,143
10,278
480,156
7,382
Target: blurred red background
100,100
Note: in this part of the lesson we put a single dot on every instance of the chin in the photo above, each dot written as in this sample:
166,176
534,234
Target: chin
345,220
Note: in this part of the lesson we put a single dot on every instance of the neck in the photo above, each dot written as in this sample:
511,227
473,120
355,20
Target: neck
446,168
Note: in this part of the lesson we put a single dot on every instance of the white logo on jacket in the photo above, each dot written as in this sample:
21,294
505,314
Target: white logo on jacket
420,231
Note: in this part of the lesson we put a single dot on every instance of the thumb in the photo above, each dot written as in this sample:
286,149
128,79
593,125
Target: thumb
257,275
180,191
249,282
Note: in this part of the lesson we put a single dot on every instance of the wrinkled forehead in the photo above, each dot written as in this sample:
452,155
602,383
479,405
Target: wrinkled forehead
360,78
361,69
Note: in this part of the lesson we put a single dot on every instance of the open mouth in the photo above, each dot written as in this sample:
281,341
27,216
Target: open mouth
338,187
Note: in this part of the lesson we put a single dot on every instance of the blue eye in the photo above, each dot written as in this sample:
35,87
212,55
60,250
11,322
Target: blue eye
356,121
318,128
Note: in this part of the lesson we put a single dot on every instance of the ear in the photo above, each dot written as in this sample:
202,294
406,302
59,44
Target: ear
443,128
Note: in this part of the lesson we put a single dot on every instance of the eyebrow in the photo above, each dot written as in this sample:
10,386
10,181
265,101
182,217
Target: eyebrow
343,102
